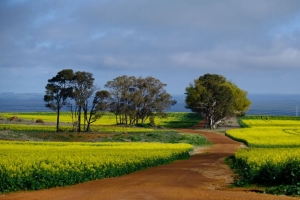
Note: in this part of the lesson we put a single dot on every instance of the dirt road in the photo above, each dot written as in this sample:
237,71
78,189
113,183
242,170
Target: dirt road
203,176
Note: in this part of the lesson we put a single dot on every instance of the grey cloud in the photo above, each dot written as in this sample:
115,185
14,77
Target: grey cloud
178,38
236,59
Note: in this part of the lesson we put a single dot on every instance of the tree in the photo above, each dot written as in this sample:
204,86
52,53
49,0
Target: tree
58,90
216,98
119,89
134,100
154,99
100,104
83,89
241,102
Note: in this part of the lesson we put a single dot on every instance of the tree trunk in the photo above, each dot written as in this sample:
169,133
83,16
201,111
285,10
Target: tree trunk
88,126
206,122
217,122
72,115
89,122
125,116
79,120
57,120
84,117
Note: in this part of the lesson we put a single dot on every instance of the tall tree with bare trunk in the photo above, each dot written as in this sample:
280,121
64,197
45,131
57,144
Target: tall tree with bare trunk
58,89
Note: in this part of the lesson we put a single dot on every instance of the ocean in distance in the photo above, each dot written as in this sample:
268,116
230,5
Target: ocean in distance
262,104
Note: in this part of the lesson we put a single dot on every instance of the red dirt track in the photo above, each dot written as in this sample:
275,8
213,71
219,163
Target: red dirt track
203,176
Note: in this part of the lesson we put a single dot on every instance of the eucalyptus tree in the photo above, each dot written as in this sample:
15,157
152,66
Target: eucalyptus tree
154,99
83,89
58,89
216,98
134,100
100,104
120,89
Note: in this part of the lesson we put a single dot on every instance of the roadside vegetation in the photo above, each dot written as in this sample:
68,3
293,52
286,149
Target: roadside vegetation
273,157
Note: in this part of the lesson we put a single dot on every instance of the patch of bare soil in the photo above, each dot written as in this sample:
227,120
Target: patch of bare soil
203,176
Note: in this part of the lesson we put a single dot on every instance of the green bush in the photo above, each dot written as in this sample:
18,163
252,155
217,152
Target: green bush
291,190
242,124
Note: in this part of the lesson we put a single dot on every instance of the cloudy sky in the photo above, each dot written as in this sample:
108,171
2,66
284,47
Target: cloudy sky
253,43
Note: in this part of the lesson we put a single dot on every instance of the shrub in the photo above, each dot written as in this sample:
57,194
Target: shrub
143,125
39,121
14,118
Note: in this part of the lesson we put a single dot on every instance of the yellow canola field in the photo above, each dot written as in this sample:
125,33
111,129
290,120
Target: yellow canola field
262,156
38,165
269,166
267,136
273,156
66,117
271,123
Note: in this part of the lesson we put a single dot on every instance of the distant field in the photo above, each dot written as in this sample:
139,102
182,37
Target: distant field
65,117
173,120
272,123
268,132
104,130
268,137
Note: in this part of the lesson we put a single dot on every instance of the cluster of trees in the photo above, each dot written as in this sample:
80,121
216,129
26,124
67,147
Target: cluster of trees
216,98
133,100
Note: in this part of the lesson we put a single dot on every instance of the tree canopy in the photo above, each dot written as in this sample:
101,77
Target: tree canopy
133,100
216,98
58,90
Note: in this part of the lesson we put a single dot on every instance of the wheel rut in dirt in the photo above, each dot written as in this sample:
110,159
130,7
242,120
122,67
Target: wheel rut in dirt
203,176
